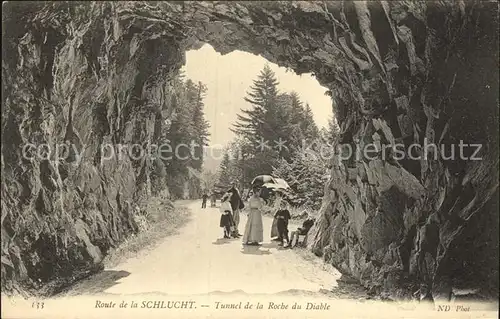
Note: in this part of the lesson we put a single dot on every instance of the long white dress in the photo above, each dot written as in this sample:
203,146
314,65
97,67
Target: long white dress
254,230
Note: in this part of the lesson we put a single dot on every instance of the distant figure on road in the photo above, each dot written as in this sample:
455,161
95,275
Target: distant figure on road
254,230
226,218
204,200
236,205
301,231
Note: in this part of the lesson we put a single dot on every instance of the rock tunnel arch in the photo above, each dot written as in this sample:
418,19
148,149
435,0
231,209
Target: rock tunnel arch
401,71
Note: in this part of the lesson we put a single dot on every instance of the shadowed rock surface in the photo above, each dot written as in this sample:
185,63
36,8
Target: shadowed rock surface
398,72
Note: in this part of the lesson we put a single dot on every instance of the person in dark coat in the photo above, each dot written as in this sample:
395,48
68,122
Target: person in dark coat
236,206
204,200
301,231
282,216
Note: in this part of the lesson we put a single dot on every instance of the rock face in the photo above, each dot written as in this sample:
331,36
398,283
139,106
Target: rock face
399,73
75,75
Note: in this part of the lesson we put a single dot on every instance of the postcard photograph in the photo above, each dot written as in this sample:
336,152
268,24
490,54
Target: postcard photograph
250,159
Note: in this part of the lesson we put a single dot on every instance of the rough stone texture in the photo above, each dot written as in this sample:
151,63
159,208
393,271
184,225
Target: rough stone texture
398,72
74,74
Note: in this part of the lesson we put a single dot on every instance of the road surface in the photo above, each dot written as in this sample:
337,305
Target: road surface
198,261
195,274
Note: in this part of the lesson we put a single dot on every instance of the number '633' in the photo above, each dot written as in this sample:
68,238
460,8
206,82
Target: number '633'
37,305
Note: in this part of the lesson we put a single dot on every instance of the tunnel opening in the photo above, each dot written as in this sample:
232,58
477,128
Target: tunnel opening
234,72
295,111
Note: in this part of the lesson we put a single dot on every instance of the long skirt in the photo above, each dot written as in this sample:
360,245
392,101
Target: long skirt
274,228
254,230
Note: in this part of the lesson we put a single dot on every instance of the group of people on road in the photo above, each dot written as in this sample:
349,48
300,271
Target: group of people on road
231,206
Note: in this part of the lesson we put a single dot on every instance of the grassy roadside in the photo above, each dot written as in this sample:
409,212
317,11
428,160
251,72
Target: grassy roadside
157,219
160,218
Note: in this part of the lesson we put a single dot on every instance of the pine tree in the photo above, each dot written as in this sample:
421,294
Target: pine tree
333,131
306,174
295,121
274,117
186,134
296,108
179,132
264,99
309,127
200,126
265,120
224,170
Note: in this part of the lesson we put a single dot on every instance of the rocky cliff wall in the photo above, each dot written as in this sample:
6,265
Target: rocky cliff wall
398,72
424,73
72,74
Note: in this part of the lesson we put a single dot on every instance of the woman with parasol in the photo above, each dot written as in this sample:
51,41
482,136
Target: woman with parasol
254,230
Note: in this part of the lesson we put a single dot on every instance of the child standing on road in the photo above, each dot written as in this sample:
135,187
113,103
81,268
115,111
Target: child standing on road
226,218
282,216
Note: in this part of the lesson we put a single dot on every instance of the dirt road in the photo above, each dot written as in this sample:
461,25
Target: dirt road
198,261
195,274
